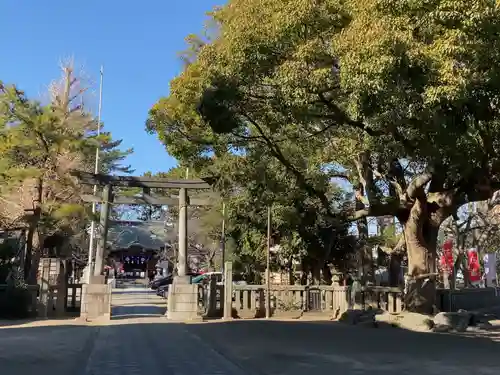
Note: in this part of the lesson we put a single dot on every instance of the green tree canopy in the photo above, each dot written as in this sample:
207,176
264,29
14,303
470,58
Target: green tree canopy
402,95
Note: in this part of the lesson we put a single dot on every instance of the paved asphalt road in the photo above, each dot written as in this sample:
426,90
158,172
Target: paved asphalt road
139,341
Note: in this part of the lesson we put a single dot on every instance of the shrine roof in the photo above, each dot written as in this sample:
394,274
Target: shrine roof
151,235
148,235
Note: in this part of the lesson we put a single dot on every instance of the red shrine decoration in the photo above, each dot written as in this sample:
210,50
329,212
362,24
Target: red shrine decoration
446,262
473,265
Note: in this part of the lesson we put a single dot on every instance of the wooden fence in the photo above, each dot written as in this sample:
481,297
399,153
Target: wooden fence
71,303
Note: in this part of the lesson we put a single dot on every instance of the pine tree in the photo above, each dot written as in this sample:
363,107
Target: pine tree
39,146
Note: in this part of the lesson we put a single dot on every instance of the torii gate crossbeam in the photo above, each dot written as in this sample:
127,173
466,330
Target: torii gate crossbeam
146,183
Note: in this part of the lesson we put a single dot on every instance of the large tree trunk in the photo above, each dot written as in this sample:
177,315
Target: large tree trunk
37,249
327,274
291,271
394,270
29,249
365,257
421,239
304,273
33,240
33,248
316,273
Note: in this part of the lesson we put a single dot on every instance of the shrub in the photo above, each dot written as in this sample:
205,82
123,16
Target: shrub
15,302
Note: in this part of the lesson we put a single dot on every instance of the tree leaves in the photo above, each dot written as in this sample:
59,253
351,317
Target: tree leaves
290,93
43,143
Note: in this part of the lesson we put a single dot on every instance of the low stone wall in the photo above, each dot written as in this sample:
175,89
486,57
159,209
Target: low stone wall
293,300
389,299
467,299
96,301
249,301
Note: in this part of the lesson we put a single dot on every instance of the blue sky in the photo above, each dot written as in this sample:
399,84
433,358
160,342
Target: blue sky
137,42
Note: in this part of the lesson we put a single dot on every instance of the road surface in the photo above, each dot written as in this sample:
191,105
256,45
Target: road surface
139,340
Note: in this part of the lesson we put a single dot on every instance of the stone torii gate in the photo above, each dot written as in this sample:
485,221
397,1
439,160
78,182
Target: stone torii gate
146,183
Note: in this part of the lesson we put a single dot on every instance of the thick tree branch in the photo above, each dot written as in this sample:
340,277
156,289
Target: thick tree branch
378,209
397,177
415,188
300,178
395,189
340,117
476,187
400,247
365,174
340,176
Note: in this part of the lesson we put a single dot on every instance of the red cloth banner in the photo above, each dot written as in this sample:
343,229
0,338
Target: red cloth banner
446,261
473,265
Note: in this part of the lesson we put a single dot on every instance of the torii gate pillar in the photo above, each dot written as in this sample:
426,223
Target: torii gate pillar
182,301
182,261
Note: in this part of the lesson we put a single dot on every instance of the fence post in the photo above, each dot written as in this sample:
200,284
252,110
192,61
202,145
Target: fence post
228,290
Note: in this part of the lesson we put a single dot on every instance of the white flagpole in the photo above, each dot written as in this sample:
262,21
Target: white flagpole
96,170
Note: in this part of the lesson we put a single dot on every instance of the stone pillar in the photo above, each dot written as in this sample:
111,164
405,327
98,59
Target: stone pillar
182,253
182,302
62,288
44,283
96,301
103,230
228,290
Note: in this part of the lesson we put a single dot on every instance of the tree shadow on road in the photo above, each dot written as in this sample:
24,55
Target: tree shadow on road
125,311
134,316
250,346
314,346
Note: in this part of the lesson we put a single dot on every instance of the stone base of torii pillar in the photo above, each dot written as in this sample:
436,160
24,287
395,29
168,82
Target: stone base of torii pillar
183,299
